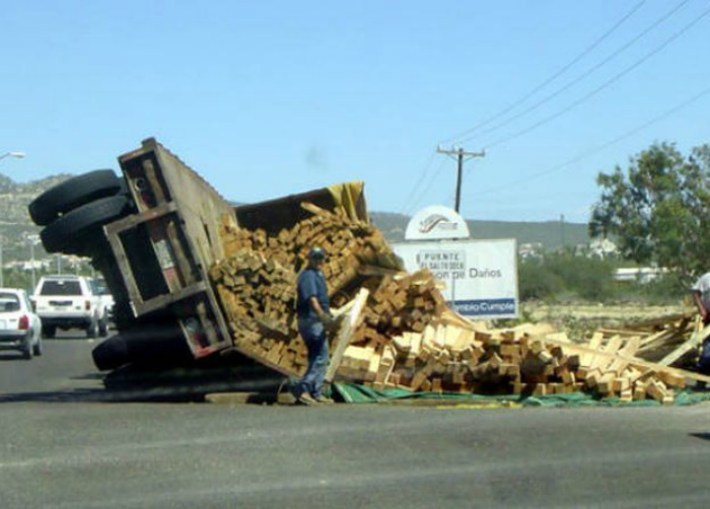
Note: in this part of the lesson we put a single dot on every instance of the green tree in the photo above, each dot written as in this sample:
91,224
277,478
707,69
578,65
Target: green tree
537,281
658,211
564,274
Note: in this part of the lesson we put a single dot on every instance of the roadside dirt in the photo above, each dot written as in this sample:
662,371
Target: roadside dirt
580,320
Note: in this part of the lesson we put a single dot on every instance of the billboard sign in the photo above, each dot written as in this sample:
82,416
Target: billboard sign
436,222
480,276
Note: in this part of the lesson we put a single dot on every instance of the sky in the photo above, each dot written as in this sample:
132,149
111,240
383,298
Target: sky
271,98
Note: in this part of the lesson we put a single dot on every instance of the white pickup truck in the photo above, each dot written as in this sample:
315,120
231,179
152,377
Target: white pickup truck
67,301
100,289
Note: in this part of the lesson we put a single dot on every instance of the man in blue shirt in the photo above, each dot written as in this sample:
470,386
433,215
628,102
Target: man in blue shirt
314,317
701,297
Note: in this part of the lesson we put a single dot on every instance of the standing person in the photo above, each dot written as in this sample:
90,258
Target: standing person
314,317
701,296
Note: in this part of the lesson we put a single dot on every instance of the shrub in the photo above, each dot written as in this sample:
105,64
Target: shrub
564,273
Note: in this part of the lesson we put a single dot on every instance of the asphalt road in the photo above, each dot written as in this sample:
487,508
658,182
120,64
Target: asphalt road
65,446
65,370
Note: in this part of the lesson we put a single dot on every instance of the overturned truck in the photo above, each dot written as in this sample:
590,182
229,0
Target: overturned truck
194,277
155,233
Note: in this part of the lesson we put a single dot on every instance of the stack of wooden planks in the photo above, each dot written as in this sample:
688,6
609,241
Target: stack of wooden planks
658,336
608,366
401,332
257,294
257,278
352,245
452,357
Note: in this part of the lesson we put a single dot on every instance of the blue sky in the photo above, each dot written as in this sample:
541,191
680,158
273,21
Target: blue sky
271,98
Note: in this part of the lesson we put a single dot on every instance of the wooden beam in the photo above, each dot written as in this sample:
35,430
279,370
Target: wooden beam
350,322
658,339
622,332
374,270
695,339
633,361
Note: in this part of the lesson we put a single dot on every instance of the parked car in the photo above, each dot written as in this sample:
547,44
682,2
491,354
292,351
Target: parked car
68,301
20,326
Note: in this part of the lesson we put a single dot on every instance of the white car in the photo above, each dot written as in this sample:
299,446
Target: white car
20,327
68,301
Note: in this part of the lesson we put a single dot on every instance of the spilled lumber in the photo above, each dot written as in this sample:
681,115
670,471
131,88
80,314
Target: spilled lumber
397,330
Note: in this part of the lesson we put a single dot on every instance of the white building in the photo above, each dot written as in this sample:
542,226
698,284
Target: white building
638,274
602,248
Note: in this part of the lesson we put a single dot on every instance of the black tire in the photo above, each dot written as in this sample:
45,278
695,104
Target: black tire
49,331
103,328
27,351
111,353
155,345
37,349
70,232
93,329
74,193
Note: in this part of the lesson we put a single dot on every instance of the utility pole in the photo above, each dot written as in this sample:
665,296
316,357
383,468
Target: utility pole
562,230
460,155
32,261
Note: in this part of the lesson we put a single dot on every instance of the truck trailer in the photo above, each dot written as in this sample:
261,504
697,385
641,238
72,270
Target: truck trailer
153,233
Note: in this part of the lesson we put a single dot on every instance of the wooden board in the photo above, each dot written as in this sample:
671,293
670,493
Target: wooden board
350,322
695,340
634,361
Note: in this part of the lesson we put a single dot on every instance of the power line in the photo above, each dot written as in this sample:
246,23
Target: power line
421,195
603,146
584,75
551,78
604,85
422,176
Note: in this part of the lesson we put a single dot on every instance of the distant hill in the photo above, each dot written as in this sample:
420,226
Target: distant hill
15,197
15,222
16,225
551,234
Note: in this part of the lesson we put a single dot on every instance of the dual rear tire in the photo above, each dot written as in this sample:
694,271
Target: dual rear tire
74,211
73,214
72,194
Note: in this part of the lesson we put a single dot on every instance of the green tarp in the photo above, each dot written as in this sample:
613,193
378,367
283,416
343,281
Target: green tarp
357,393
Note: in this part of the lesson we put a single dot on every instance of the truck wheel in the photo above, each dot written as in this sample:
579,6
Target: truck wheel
156,345
70,232
111,353
92,330
74,193
37,349
27,351
49,331
103,328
